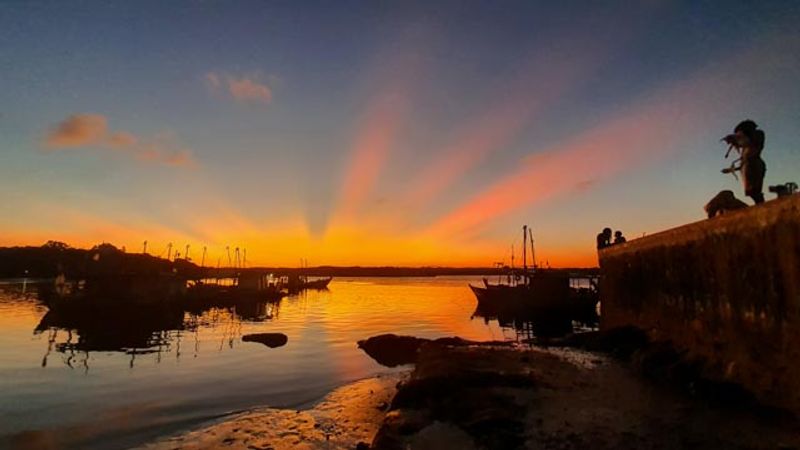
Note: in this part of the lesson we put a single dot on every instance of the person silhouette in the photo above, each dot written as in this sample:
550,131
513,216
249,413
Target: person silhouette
749,140
619,238
604,238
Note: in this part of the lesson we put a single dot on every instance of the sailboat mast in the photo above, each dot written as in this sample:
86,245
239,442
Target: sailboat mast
524,254
533,252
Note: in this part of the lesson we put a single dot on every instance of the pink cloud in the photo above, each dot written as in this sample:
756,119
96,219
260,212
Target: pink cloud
246,89
91,130
121,139
78,130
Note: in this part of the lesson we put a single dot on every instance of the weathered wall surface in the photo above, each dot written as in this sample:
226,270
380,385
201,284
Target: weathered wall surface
725,290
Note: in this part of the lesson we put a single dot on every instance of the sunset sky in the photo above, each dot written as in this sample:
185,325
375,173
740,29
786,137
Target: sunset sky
372,133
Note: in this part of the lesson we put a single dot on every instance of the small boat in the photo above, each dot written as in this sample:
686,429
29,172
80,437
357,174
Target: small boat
298,283
535,290
246,287
318,284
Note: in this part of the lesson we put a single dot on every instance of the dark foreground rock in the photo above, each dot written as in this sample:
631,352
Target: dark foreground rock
501,397
271,340
392,350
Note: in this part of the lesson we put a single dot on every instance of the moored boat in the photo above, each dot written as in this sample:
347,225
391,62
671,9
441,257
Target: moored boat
537,289
242,288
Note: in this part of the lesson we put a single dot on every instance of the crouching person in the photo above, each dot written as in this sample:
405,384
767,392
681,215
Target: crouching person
723,202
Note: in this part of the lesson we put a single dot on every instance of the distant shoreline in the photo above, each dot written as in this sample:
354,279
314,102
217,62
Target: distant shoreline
52,258
400,272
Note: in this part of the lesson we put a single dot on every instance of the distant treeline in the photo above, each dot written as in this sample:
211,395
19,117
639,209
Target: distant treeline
391,271
56,257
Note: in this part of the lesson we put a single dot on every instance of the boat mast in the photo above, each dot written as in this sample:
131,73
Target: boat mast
533,254
524,255
511,276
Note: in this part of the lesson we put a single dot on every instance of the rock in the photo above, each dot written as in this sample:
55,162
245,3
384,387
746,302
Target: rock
392,350
271,340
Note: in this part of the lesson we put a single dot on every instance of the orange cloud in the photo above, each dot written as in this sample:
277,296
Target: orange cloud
78,130
91,130
122,139
241,88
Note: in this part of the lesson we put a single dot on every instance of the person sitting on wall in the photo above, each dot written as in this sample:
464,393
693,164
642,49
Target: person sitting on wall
604,238
619,238
722,202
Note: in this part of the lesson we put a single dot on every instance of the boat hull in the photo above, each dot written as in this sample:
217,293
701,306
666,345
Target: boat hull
550,295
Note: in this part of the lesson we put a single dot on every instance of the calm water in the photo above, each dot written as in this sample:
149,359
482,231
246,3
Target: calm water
119,382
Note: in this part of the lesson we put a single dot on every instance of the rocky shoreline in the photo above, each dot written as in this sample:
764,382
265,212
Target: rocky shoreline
594,390
489,396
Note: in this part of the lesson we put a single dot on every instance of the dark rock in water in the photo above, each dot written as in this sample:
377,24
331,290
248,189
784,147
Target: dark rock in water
271,340
392,350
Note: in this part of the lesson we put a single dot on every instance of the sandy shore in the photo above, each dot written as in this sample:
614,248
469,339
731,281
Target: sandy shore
344,418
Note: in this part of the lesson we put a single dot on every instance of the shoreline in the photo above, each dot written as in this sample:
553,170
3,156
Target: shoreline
348,416
501,397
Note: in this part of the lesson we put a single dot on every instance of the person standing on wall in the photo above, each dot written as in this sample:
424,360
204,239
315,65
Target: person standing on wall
748,139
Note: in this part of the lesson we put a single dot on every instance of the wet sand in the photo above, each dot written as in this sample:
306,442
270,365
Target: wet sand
346,417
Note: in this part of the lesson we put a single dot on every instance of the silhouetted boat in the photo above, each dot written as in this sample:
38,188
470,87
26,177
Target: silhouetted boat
246,287
321,283
536,290
297,283
113,291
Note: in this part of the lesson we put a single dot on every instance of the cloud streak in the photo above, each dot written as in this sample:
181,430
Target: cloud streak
385,114
92,131
642,135
243,89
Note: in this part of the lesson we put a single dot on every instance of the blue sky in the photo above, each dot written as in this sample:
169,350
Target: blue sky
378,132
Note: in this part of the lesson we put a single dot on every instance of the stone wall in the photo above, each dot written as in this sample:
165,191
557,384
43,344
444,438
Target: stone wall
724,290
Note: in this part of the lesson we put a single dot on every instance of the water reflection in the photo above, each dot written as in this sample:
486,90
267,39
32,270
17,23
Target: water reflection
154,329
167,369
527,326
